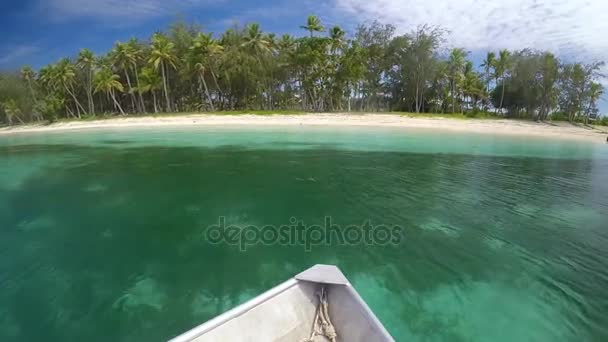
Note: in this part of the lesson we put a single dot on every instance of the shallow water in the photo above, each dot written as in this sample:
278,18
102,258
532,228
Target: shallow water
102,233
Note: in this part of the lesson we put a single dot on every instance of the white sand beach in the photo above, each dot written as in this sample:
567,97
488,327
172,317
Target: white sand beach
483,126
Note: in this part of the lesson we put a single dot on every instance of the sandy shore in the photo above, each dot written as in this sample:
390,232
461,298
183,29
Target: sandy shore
496,127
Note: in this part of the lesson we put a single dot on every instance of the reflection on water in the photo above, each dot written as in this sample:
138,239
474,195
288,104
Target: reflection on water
101,236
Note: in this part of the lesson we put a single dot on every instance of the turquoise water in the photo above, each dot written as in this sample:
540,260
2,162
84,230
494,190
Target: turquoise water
102,233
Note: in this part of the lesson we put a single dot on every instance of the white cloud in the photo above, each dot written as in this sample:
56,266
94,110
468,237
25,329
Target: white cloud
567,27
116,9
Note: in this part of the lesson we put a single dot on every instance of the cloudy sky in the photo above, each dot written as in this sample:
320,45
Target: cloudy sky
37,32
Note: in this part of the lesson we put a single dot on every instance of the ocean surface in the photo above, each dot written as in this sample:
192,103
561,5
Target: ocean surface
104,234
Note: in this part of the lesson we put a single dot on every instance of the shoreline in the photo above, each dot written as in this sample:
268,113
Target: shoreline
509,127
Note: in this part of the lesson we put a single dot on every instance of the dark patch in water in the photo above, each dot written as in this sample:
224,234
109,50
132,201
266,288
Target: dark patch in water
115,142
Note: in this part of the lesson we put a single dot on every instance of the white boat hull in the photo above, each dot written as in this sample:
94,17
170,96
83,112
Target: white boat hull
287,312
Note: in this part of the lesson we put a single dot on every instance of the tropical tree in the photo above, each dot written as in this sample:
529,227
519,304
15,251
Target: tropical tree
198,61
123,58
28,74
456,64
150,82
374,40
162,57
11,111
472,85
487,66
46,77
65,75
185,67
549,77
86,62
108,82
259,45
313,24
338,41
137,56
255,41
501,68
596,91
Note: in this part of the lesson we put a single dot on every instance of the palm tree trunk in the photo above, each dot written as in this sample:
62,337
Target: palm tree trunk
217,86
78,105
487,81
349,93
496,85
116,102
76,100
484,103
19,118
130,90
141,97
165,87
462,102
453,97
154,101
29,84
502,96
202,78
90,92
588,111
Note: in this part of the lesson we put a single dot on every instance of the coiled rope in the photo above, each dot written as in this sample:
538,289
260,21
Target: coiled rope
322,325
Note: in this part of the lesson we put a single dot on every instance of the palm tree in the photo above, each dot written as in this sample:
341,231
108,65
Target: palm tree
150,82
336,34
214,51
472,85
456,62
45,77
106,81
501,67
66,75
123,57
596,91
137,56
11,110
198,61
487,65
255,40
313,24
286,43
549,73
260,47
29,75
86,61
163,56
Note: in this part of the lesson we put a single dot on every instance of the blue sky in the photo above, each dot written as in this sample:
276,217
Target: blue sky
38,32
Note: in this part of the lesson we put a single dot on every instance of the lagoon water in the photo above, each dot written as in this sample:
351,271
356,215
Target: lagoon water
102,233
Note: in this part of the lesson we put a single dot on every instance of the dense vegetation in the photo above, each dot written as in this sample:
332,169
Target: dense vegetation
185,69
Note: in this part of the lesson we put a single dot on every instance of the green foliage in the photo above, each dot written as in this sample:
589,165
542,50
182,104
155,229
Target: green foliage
559,116
313,24
50,107
247,70
14,97
260,112
11,111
